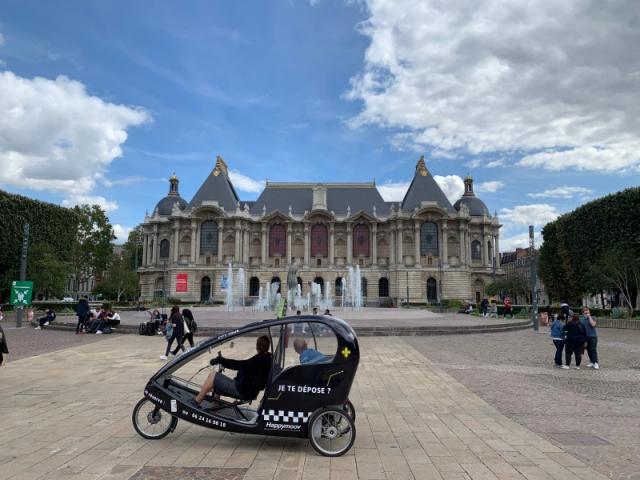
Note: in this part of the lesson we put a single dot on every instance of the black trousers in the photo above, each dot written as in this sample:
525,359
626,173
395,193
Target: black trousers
574,348
81,323
592,349
188,337
559,347
170,342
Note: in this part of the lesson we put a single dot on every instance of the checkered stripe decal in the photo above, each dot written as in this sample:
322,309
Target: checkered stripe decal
285,416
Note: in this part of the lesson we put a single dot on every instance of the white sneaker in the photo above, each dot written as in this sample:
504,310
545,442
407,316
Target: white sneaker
98,332
38,328
565,367
163,357
576,368
590,365
596,366
46,323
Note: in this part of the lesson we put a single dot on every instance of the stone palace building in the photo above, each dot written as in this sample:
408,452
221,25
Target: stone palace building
423,247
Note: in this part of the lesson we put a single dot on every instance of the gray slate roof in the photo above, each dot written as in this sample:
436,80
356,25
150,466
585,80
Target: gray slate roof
477,208
425,188
339,198
216,188
165,206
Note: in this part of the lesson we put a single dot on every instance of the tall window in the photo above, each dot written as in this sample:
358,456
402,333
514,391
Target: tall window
319,241
320,281
164,248
277,240
476,248
432,290
209,238
363,287
383,287
361,241
338,288
254,286
429,239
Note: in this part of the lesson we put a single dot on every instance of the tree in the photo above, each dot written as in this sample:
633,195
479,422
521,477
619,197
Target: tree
48,273
132,248
92,248
120,279
513,285
620,269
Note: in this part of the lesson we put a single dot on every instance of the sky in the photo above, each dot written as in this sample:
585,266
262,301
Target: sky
100,102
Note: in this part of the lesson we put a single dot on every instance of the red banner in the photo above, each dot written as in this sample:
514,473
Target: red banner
182,280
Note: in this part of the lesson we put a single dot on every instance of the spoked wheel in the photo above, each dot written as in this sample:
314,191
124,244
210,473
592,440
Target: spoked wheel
348,407
151,421
331,432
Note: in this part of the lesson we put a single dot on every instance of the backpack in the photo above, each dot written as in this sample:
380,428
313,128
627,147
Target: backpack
107,330
142,329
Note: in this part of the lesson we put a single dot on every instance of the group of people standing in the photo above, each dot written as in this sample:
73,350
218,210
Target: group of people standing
573,334
179,327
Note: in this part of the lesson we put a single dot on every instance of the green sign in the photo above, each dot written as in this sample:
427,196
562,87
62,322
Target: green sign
281,308
21,293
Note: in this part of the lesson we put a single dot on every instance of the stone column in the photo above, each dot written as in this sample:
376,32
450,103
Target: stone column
154,254
392,244
194,231
349,244
264,243
485,250
496,249
176,243
331,244
416,237
306,244
467,244
289,232
400,241
245,243
374,244
198,227
145,250
220,243
238,239
445,246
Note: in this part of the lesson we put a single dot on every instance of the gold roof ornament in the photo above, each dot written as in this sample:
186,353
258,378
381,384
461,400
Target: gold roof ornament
421,168
221,167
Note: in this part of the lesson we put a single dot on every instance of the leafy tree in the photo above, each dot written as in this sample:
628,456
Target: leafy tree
620,269
92,248
132,248
120,279
513,285
48,273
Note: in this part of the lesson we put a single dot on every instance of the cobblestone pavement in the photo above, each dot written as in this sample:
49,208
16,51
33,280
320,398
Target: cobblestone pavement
27,342
513,371
67,415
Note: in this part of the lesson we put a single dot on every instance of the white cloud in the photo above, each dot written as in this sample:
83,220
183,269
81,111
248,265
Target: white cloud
490,187
244,183
451,185
554,83
537,214
564,191
55,136
80,199
131,180
121,232
520,240
393,192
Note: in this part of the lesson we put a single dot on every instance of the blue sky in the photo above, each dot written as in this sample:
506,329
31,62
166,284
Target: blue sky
102,101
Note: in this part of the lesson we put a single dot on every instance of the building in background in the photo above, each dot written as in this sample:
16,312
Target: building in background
518,264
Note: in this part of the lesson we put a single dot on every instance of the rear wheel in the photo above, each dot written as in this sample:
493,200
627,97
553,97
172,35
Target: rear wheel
151,422
348,407
331,432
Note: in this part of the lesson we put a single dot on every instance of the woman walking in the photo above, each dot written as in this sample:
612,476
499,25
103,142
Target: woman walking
176,325
3,344
192,326
575,340
557,336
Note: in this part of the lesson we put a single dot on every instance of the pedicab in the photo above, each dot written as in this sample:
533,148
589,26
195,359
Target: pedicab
306,395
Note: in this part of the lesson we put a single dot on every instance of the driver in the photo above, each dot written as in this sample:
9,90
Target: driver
251,378
307,355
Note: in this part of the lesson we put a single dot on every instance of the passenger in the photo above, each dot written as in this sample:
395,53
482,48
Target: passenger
251,378
307,355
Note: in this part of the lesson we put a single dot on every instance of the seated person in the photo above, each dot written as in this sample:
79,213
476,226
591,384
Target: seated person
307,355
49,317
252,376
113,318
96,323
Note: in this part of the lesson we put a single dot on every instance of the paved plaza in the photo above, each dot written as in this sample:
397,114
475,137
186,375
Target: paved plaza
67,414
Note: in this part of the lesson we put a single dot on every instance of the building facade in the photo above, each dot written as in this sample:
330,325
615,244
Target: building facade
518,263
423,248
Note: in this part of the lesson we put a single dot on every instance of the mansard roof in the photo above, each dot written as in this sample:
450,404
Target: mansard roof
340,198
424,188
217,187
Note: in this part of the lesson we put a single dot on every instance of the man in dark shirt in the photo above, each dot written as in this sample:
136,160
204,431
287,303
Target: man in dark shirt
251,378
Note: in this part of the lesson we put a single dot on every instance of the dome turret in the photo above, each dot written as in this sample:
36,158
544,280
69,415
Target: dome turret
476,207
165,206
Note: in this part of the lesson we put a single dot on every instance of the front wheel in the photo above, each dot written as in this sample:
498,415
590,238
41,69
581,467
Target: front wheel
151,422
331,432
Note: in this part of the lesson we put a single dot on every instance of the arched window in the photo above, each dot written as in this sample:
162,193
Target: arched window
476,250
432,290
361,240
164,248
300,283
429,239
205,289
338,288
209,238
276,280
319,241
320,281
363,287
254,286
383,287
277,240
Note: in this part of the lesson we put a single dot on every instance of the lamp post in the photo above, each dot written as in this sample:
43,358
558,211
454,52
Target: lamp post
534,296
23,269
164,291
440,284
407,288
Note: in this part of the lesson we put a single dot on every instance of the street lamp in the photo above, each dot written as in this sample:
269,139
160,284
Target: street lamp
164,291
532,265
407,288
440,284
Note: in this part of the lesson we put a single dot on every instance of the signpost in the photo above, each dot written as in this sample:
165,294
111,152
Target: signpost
21,293
23,274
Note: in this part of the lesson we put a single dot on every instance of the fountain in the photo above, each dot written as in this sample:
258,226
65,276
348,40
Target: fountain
241,287
229,300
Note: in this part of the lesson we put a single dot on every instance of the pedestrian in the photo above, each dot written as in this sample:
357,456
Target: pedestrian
507,307
174,331
484,306
49,317
82,310
191,324
575,339
3,343
565,311
589,323
493,309
557,336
